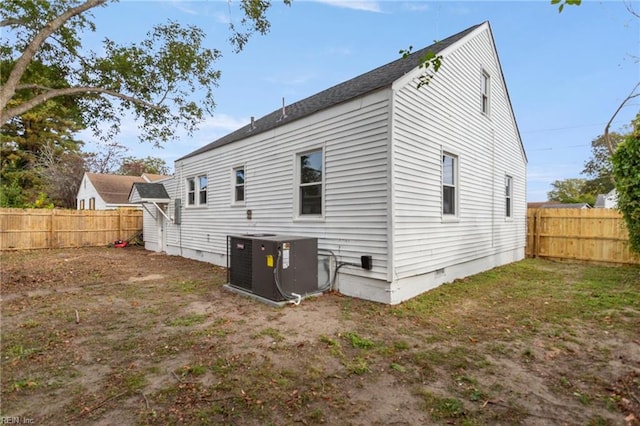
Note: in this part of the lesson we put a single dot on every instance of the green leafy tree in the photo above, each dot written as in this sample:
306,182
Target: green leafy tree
155,79
570,191
50,126
132,166
599,168
626,171
562,3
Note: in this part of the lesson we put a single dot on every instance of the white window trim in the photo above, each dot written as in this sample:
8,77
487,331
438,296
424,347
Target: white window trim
199,190
485,77
509,197
188,191
448,217
296,185
234,202
196,192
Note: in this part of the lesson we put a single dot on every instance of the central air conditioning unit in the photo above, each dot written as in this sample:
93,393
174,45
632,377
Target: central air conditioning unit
274,267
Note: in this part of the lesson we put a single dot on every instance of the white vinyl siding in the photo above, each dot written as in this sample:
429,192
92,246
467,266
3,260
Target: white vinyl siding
353,137
382,180
446,114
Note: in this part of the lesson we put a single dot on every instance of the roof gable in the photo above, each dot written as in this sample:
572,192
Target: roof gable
114,189
375,79
148,192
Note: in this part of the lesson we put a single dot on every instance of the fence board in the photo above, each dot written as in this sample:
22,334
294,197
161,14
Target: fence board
23,229
597,235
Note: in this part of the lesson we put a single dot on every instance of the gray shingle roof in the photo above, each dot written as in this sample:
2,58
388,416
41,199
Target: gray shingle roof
368,82
153,191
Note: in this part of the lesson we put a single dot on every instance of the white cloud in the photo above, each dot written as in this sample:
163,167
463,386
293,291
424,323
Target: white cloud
417,6
208,131
367,6
201,9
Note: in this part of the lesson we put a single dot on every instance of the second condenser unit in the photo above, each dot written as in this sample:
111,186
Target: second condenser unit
275,267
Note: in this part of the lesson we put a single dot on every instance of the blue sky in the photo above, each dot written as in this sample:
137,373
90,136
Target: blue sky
566,72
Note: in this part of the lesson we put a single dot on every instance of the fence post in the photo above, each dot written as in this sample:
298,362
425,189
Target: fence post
120,225
537,226
52,231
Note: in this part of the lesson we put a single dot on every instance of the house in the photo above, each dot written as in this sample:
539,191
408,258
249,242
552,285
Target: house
608,200
428,184
566,206
557,205
99,191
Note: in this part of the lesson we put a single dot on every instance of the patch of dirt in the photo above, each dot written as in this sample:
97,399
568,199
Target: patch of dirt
126,336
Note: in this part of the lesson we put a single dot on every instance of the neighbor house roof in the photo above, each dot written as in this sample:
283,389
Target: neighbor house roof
539,204
152,177
368,82
148,192
566,206
114,189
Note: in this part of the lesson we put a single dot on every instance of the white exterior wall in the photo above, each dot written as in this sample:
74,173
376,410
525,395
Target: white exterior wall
86,192
354,137
445,116
382,182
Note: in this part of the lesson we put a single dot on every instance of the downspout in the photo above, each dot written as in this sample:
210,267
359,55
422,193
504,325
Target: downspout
180,189
390,196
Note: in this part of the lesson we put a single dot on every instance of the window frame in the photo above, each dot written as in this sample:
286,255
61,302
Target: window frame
299,185
455,185
196,194
485,93
81,205
92,203
235,185
202,190
508,187
191,192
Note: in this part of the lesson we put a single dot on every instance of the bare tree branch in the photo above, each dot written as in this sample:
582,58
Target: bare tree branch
9,89
10,22
631,95
49,93
630,9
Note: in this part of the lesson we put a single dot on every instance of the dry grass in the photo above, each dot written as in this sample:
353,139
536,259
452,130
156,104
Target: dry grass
101,336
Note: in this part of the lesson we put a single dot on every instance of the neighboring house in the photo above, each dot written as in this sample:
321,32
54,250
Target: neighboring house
100,191
557,205
608,200
566,206
429,182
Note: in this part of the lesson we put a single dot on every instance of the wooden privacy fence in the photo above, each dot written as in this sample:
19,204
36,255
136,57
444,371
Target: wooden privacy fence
23,229
597,235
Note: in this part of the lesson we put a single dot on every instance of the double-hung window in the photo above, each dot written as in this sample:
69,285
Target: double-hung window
449,184
197,191
238,185
202,190
191,192
485,89
310,183
508,189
